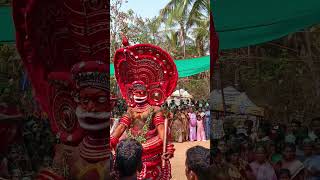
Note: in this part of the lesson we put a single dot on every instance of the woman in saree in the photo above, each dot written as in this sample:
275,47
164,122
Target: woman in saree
291,163
201,135
192,125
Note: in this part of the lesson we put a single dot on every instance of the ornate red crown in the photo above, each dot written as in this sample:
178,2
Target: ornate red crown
148,64
91,73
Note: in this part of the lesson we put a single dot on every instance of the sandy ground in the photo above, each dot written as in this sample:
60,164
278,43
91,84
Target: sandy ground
178,162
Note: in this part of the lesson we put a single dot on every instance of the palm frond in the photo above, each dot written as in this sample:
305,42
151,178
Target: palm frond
200,9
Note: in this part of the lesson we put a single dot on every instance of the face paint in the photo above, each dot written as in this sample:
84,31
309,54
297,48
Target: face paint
92,120
139,100
140,95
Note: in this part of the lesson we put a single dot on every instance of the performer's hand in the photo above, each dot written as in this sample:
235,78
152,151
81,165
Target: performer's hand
113,142
169,152
166,156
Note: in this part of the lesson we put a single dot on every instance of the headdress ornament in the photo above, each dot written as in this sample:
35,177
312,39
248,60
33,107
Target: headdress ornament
148,66
91,73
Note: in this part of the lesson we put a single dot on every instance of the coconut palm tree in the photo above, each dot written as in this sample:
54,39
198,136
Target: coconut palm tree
176,13
172,44
200,9
184,13
153,28
201,36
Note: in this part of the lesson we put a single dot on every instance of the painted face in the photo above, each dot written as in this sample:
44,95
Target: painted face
140,96
94,110
93,100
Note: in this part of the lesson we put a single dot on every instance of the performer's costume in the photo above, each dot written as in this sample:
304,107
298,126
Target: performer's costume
146,75
64,48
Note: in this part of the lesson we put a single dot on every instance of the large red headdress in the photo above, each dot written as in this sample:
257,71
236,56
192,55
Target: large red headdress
53,36
145,66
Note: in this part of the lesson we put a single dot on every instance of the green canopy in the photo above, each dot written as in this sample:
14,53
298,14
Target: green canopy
186,67
241,23
7,32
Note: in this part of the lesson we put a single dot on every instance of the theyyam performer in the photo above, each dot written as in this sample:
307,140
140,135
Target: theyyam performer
64,49
147,76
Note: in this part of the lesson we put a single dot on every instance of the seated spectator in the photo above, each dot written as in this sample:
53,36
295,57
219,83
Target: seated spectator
198,163
128,159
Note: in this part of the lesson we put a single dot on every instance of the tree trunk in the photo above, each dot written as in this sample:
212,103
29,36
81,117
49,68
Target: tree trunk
183,36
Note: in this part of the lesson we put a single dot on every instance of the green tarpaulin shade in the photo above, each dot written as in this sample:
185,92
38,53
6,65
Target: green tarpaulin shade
186,67
7,32
241,23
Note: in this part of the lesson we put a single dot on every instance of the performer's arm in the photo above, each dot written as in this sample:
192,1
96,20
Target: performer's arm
160,129
158,121
117,133
123,125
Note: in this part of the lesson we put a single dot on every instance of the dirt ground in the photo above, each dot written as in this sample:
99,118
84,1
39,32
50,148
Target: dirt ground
178,162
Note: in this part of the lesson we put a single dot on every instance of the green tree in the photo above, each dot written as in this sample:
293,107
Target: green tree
185,14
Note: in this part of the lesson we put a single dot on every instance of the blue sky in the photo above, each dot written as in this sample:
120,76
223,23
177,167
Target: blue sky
145,8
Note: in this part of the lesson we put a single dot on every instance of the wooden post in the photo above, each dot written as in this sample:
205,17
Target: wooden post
165,140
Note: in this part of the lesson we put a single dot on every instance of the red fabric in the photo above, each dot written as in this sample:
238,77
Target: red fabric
149,64
170,149
214,46
125,40
47,174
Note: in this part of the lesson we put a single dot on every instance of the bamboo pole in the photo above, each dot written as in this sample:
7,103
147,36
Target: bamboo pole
165,141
